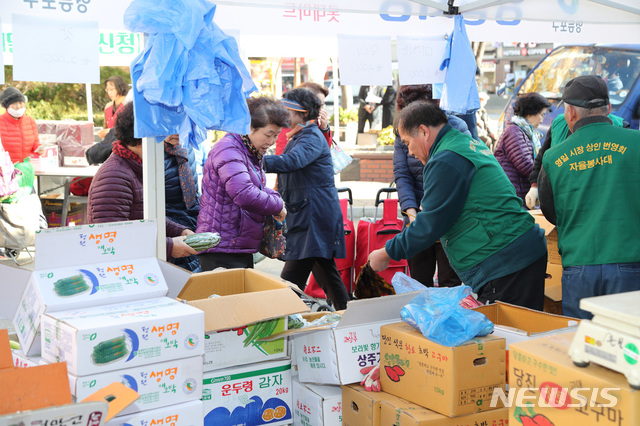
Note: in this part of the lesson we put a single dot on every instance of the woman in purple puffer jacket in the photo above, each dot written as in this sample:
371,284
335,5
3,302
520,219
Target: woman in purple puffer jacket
235,199
520,141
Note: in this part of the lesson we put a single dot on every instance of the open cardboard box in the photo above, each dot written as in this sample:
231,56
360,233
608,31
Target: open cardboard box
551,234
516,323
246,297
41,395
334,354
92,265
451,380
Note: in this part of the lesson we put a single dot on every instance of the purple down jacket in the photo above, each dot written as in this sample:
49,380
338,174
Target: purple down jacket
515,154
234,199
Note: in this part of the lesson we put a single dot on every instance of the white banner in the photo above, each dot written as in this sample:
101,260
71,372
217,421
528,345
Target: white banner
285,28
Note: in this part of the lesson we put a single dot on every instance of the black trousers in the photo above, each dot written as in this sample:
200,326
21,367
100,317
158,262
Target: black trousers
524,287
422,266
325,273
211,261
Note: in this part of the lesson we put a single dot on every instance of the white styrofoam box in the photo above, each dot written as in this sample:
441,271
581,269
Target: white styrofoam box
316,405
185,414
23,361
253,394
334,354
111,337
102,264
159,384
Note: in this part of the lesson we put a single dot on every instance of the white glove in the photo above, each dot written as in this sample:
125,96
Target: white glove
532,198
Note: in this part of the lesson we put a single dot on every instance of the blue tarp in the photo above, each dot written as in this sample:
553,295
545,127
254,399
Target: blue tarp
460,94
190,77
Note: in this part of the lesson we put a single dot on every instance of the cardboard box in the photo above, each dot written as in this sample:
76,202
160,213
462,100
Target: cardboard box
453,381
360,407
368,139
247,297
40,395
553,289
516,323
159,385
52,209
334,354
75,160
316,405
112,337
185,414
47,160
408,414
551,234
253,394
116,262
578,395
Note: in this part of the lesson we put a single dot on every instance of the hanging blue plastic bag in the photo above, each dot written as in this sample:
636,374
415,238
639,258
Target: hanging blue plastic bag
437,313
460,93
405,284
190,74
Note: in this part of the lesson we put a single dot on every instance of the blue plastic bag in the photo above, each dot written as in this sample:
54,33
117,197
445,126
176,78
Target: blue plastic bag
404,284
460,94
190,77
436,312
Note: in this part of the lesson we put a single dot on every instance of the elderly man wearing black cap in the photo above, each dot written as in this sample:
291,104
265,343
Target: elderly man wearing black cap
588,187
18,132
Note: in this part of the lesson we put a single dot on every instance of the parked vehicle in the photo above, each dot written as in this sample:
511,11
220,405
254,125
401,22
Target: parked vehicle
618,65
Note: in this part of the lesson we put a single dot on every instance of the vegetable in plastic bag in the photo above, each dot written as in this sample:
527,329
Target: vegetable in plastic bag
437,313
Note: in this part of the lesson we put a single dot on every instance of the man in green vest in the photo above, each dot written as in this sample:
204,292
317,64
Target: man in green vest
588,188
469,204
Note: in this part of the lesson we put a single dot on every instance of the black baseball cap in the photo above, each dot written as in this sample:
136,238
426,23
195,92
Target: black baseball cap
586,91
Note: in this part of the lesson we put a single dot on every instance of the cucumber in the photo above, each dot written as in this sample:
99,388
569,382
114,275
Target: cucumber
202,241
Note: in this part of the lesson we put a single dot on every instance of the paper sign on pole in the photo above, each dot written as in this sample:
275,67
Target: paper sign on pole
419,60
364,60
55,50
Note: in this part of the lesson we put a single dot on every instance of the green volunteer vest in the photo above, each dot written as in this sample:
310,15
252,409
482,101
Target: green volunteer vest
492,216
595,177
560,128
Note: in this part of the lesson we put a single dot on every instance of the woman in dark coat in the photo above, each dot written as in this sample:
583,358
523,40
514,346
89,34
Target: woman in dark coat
315,234
116,192
520,141
181,195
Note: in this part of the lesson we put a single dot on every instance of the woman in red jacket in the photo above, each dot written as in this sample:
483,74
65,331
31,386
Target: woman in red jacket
116,89
18,132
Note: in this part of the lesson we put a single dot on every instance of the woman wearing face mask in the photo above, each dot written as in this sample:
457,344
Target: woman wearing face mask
235,199
315,234
18,132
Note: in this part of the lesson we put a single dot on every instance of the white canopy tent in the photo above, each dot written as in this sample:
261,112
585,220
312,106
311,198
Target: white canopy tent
282,28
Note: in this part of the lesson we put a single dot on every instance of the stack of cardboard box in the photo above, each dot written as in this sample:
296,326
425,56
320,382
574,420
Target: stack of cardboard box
553,284
328,356
246,381
101,307
424,383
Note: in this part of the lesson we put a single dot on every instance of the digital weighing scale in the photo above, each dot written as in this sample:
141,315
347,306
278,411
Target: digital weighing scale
612,337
